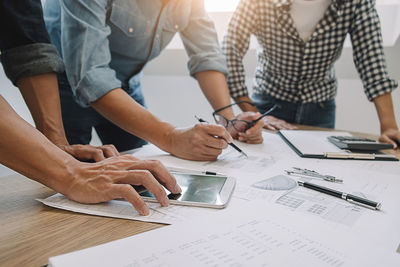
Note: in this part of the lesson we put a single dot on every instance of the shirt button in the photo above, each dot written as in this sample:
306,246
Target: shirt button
130,30
176,26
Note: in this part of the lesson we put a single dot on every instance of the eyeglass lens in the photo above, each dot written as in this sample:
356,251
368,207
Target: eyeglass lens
239,125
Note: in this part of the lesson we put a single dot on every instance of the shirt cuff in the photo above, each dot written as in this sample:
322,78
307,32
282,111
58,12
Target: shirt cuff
30,60
207,61
94,85
380,88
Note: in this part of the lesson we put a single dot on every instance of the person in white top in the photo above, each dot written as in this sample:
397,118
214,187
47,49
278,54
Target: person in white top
300,12
299,43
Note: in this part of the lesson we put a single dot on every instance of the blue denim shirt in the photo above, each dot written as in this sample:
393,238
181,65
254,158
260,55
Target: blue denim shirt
105,43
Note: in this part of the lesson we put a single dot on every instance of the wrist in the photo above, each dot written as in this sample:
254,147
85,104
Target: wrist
63,172
55,134
386,125
167,140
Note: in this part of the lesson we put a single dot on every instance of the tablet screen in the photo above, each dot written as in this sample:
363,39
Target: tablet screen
196,188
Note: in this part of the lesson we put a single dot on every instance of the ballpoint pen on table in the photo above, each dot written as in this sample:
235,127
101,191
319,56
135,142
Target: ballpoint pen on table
183,170
231,144
313,174
348,197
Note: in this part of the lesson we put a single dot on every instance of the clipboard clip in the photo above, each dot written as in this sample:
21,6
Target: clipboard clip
340,155
313,174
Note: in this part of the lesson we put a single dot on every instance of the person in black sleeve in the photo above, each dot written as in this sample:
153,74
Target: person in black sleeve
31,63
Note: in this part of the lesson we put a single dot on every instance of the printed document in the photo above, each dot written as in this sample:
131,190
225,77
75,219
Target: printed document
251,237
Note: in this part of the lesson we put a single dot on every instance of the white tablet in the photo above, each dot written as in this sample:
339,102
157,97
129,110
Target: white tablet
213,191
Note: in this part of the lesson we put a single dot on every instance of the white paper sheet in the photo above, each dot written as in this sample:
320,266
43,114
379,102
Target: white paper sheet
313,142
258,235
115,209
262,157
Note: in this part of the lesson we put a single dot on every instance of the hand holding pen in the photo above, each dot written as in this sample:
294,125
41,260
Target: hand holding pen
229,143
203,142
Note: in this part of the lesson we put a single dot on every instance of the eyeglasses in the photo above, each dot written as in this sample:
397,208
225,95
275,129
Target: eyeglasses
239,125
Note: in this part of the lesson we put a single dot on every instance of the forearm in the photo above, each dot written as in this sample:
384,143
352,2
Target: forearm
27,151
215,89
244,106
42,98
384,108
118,107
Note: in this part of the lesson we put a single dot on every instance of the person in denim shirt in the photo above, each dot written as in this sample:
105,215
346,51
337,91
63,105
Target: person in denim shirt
30,62
106,44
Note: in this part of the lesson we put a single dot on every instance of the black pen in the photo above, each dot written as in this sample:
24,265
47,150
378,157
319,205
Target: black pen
231,144
348,197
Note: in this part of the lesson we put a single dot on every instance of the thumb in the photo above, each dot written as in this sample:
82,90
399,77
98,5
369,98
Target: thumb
386,139
256,115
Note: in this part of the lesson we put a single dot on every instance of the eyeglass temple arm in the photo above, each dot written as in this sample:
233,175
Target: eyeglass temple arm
230,105
266,113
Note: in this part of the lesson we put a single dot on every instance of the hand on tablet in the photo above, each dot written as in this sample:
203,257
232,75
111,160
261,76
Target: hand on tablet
112,178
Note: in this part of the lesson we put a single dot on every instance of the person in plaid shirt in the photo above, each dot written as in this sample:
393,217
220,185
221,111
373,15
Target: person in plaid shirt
296,57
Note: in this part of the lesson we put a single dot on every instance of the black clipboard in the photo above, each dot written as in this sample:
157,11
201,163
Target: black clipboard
335,155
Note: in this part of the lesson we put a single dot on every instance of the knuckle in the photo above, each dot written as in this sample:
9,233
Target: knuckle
127,157
198,126
125,190
146,174
138,200
221,129
97,151
222,143
156,163
110,146
159,191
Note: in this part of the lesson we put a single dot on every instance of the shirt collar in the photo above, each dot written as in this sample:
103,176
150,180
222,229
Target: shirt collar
337,5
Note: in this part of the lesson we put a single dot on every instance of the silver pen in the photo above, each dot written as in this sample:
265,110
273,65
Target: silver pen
313,174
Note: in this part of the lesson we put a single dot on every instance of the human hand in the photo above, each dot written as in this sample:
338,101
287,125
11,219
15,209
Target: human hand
112,178
201,142
273,123
391,136
252,135
88,152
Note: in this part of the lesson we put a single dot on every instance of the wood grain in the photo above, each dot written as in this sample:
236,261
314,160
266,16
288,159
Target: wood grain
31,232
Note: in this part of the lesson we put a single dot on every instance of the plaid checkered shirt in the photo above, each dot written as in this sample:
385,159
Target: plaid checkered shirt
292,70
